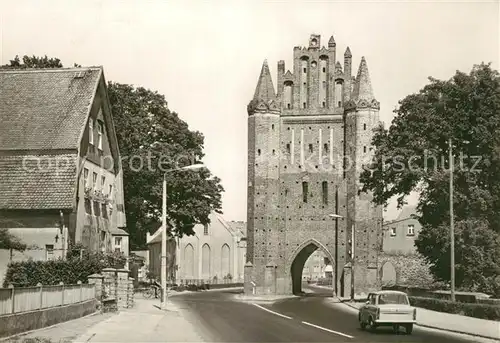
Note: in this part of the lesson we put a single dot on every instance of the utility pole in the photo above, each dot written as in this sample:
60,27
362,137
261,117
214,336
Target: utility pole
352,262
336,242
164,244
452,229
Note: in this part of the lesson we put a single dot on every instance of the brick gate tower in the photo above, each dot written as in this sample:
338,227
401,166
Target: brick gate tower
307,144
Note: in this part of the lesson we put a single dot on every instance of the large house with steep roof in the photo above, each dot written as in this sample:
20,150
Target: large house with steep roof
61,178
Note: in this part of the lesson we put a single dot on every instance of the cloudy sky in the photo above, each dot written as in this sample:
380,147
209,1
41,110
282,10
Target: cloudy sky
205,56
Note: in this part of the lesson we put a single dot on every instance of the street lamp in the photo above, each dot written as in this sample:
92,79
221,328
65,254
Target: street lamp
164,231
336,216
352,254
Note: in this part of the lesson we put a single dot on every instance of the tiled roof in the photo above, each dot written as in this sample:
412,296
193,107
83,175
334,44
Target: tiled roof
45,109
37,182
407,212
119,232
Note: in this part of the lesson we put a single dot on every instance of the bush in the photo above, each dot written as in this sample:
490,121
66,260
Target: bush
482,311
76,267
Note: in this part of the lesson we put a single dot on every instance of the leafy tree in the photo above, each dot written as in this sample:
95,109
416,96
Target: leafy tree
146,128
148,131
10,242
412,155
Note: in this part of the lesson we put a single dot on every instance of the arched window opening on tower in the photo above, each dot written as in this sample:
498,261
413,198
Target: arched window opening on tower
288,148
274,152
325,192
272,126
324,70
338,93
325,147
323,104
305,190
364,126
304,105
305,70
288,106
311,149
364,149
258,152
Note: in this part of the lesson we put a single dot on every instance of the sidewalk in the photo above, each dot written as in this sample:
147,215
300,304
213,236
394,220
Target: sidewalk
489,329
145,322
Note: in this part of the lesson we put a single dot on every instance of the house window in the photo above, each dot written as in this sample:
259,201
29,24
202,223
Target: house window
99,135
49,251
305,190
86,177
411,230
118,242
94,180
325,192
104,211
205,230
393,231
91,131
97,209
103,181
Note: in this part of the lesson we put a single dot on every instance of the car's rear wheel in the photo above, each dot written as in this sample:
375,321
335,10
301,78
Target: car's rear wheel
371,325
409,329
361,323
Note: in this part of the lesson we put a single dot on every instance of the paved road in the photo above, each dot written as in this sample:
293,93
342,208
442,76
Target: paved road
304,319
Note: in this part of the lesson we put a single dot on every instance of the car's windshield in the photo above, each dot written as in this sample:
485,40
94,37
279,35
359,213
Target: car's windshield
392,298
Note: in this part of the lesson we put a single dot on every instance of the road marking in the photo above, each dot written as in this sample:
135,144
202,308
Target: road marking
328,330
275,313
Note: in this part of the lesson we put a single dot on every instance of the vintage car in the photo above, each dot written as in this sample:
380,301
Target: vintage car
387,308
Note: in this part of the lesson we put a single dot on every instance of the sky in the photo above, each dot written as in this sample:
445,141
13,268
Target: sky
206,56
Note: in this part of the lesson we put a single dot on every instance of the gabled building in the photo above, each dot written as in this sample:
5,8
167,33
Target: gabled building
61,178
215,252
399,235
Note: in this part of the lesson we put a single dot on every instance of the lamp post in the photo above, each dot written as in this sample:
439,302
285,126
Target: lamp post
452,228
164,232
352,254
336,216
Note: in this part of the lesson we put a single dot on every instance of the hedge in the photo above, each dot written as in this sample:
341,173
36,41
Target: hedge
481,311
69,271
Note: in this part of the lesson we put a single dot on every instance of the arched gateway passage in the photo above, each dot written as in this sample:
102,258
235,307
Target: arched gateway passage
299,258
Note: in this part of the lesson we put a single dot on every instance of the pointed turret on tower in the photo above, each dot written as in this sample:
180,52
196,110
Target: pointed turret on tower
331,42
363,86
347,75
264,98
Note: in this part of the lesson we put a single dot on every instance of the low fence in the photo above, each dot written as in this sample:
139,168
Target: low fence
199,282
23,299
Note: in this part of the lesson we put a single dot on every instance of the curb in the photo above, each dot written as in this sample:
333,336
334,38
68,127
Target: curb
2,339
441,329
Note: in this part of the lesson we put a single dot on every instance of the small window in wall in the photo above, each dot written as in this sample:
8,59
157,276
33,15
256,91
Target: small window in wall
205,230
393,231
288,148
305,191
411,230
272,126
340,103
288,105
103,182
110,189
104,211
364,126
118,241
86,176
304,105
91,131
324,70
99,135
324,187
364,149
311,148
305,70
325,147
258,152
49,251
324,104
94,180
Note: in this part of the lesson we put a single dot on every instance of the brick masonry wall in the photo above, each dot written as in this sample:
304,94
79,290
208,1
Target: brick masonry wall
408,270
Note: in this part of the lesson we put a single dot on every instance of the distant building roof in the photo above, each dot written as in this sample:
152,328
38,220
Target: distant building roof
407,212
119,232
43,115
